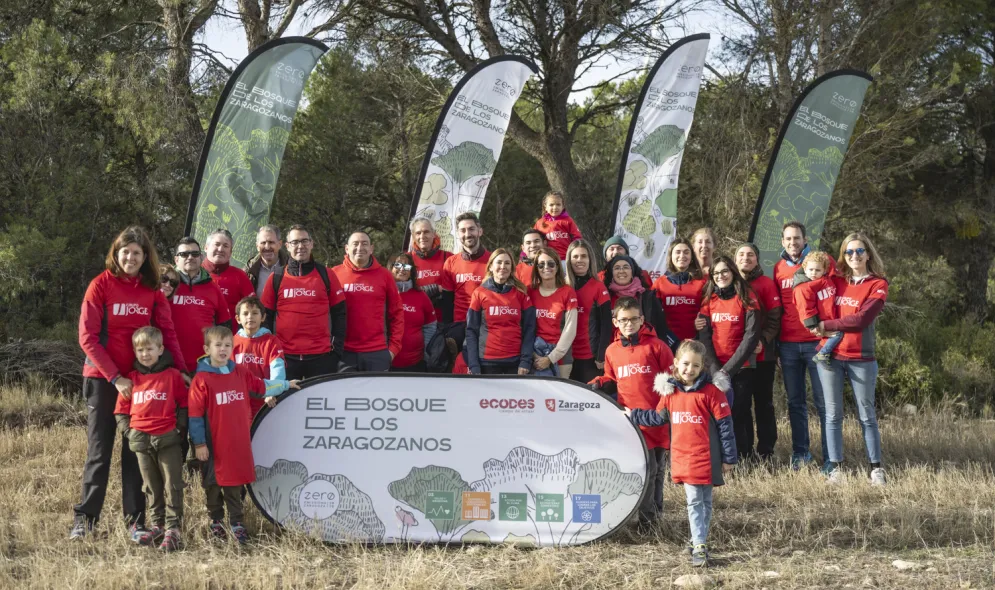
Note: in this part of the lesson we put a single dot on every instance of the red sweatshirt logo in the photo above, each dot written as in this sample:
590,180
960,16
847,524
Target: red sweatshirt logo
557,235
227,397
141,397
410,308
502,310
247,358
464,277
545,314
188,300
357,288
428,274
299,292
718,318
633,369
129,309
680,300
826,293
787,283
847,302
686,418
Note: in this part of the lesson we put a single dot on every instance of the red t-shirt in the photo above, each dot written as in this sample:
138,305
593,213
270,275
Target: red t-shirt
462,277
792,329
195,307
633,368
256,355
234,285
559,232
224,401
592,294
551,310
302,323
374,319
681,304
113,308
857,346
691,432
430,270
154,400
418,311
728,318
768,297
500,322
523,272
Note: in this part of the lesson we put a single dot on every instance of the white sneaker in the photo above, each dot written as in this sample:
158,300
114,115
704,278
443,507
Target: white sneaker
835,476
877,476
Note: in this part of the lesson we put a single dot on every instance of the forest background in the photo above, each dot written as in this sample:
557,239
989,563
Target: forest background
104,106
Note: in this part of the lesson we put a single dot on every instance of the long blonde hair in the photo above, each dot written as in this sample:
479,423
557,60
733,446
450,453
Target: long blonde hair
511,278
572,277
875,265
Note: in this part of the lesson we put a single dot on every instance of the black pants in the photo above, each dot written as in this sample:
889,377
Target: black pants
101,427
368,362
742,411
656,471
311,365
763,399
457,331
419,367
584,371
496,369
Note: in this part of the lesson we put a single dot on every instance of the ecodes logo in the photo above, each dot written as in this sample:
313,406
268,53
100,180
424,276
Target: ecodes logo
141,397
410,308
847,302
247,358
126,309
508,405
632,370
718,318
228,397
319,499
188,300
464,277
547,314
680,300
357,288
686,418
428,274
502,310
299,292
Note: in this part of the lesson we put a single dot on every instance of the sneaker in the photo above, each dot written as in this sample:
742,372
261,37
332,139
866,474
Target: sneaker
140,535
218,530
690,547
821,357
799,461
157,531
81,528
877,476
699,556
827,468
835,476
170,541
241,535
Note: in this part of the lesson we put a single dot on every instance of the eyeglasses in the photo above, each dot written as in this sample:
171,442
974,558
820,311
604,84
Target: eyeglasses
402,266
629,320
168,281
295,243
721,273
858,252
188,254
624,267
546,264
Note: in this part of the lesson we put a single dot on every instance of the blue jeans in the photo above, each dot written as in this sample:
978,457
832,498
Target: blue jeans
796,359
699,511
831,343
863,376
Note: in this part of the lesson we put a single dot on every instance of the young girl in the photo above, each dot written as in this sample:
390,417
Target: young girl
700,424
556,224
220,394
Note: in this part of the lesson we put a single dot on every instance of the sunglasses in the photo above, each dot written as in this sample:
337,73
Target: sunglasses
858,252
171,282
402,266
188,254
546,264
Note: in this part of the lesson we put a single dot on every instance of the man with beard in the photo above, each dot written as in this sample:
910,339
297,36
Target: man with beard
425,244
462,274
233,281
532,241
271,257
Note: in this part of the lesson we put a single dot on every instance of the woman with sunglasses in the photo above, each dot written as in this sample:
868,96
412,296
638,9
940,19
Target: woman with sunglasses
500,322
624,278
556,312
861,291
419,316
732,329
170,279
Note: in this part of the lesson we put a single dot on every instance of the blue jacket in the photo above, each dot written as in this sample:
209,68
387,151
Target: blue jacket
543,348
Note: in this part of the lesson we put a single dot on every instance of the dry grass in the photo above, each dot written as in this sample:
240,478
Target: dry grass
938,511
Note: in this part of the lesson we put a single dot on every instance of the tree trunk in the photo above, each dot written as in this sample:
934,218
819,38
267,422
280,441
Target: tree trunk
256,30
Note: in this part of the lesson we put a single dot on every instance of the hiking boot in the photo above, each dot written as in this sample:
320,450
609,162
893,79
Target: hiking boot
140,535
218,530
81,528
877,476
241,535
699,556
170,541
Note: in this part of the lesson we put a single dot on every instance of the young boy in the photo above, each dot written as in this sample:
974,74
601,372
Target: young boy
631,364
220,393
154,420
814,299
255,347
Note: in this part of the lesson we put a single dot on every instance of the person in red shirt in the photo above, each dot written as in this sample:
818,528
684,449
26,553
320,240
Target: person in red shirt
769,299
500,322
420,324
532,242
220,419
626,279
815,300
120,300
702,443
371,296
556,225
732,320
235,285
153,419
197,303
170,279
461,275
256,348
555,303
594,314
861,291
616,246
679,290
306,309
797,348
631,363
426,248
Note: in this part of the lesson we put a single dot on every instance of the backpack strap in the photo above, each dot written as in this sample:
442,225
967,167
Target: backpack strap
323,273
277,279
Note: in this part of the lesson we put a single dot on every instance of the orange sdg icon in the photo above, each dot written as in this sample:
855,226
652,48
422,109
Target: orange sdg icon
476,505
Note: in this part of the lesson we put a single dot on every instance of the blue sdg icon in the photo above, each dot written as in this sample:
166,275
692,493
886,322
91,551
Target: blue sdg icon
586,508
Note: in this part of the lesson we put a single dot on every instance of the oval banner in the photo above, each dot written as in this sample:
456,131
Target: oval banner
405,458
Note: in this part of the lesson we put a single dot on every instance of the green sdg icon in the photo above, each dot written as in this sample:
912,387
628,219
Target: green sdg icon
513,506
549,507
440,505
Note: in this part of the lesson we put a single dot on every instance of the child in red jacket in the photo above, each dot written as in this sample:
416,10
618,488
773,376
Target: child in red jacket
153,419
556,224
631,364
701,423
220,394
255,347
814,298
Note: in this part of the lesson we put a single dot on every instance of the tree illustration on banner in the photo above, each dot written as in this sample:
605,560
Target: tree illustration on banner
465,161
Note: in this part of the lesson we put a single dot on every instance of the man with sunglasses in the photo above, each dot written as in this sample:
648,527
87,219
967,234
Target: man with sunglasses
234,283
797,347
197,303
374,316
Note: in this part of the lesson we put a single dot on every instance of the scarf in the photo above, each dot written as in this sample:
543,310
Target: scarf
754,274
491,285
403,286
480,252
726,293
633,289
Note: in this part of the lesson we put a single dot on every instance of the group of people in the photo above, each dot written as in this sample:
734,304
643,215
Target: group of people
710,323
